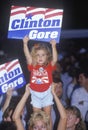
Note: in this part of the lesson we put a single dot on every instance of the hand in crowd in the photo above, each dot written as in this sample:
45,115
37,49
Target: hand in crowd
9,92
27,89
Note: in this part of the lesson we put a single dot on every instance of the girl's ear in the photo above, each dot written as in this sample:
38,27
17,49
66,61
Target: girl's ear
77,121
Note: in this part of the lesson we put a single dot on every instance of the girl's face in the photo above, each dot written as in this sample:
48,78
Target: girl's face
72,120
41,57
39,125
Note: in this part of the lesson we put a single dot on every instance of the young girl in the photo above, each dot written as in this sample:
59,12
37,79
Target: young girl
41,63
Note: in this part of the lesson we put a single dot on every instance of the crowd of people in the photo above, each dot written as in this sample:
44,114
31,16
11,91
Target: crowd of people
69,117
62,104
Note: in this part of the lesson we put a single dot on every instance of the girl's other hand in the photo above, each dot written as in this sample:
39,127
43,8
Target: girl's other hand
26,39
53,42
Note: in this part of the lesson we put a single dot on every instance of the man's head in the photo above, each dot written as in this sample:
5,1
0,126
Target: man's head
83,77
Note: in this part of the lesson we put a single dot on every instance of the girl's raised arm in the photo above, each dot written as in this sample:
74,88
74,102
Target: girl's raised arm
26,50
54,52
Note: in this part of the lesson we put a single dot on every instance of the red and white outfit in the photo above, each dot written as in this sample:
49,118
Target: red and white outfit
40,82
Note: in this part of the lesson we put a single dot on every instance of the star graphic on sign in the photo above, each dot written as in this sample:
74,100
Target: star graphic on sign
29,16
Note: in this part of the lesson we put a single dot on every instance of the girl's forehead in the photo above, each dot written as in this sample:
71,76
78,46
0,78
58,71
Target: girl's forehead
41,51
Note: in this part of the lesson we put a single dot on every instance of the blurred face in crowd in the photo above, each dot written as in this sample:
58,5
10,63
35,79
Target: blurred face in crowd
72,120
39,121
83,81
59,89
39,125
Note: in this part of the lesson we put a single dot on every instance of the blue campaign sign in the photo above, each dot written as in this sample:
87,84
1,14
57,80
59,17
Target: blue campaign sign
11,76
41,24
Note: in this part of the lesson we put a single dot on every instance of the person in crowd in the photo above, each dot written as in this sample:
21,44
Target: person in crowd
74,84
74,119
80,95
41,61
17,115
6,125
65,77
61,125
39,119
59,91
7,114
6,103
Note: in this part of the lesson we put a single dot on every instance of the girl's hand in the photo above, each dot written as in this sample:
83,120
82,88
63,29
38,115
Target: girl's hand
53,42
26,39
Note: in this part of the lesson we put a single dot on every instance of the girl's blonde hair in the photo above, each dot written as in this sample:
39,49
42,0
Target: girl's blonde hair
39,116
41,46
74,110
